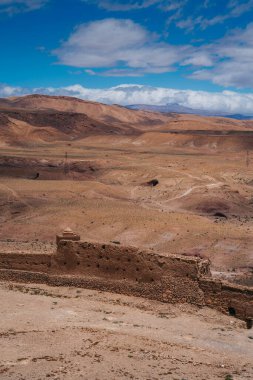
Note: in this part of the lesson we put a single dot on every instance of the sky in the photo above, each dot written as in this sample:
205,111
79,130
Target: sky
198,54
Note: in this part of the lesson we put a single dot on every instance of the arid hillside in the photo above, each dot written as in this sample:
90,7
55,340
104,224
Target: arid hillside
36,119
42,118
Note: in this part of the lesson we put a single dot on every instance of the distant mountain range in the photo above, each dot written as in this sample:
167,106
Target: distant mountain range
177,108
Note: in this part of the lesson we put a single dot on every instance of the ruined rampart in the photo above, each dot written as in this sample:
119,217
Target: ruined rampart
25,261
130,271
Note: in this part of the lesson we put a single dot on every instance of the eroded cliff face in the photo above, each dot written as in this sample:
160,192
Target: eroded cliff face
130,271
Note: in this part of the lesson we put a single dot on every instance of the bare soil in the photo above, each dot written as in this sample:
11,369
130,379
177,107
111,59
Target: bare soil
63,333
202,205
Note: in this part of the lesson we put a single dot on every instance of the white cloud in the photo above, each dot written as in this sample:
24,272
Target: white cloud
200,58
123,48
234,9
125,6
121,45
234,56
15,6
6,91
226,101
178,8
192,22
238,7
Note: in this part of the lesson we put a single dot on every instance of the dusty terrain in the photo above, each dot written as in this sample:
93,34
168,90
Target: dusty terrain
65,162
62,333
97,184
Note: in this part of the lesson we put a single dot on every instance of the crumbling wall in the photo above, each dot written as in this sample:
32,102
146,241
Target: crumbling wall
228,298
25,261
130,271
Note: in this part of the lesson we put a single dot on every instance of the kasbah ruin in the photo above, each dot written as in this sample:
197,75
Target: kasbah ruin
130,271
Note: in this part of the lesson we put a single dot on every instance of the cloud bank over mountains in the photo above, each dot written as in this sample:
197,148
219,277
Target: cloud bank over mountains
225,101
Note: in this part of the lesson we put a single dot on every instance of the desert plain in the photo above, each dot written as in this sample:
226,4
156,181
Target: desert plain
170,183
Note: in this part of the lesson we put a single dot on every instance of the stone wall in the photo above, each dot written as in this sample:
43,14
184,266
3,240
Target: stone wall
25,261
228,298
130,271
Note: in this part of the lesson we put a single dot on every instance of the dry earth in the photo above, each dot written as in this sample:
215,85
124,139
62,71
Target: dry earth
65,162
111,201
62,333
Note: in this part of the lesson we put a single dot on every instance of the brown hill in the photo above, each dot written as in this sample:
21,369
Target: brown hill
195,122
40,118
102,112
44,118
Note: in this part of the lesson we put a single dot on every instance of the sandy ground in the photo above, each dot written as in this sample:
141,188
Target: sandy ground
68,333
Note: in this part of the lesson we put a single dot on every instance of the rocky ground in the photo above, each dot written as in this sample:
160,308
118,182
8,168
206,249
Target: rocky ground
68,333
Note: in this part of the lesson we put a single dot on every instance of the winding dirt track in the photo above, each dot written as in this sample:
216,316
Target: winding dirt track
163,205
191,189
213,184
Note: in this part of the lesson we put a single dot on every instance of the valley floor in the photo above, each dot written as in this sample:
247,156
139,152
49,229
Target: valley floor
202,205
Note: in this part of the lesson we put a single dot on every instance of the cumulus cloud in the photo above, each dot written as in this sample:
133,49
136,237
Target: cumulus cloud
15,6
234,56
225,101
123,48
121,45
101,48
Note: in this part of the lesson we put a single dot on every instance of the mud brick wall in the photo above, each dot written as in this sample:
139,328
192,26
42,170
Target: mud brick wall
228,298
132,271
25,261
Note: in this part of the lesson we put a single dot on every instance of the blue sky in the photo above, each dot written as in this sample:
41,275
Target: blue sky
89,48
